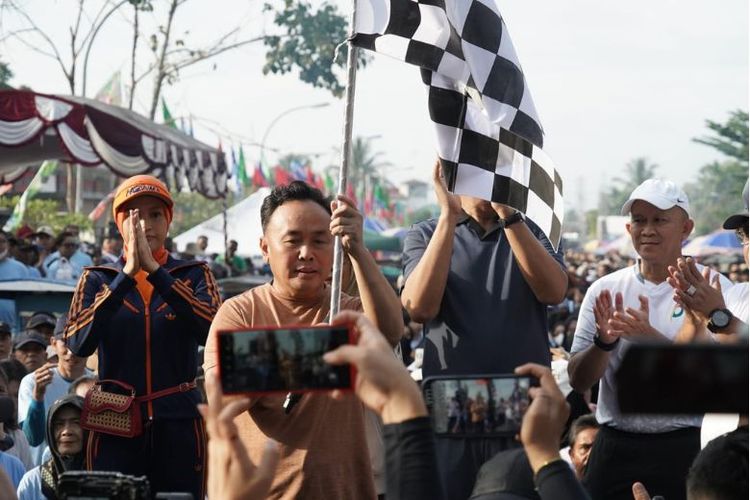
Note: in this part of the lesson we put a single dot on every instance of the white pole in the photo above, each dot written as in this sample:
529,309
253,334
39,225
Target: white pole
78,205
351,78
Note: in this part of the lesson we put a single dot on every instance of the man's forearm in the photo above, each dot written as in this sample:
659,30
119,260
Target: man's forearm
379,301
587,367
424,289
541,271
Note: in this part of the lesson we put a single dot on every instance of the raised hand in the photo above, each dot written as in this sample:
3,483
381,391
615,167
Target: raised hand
231,473
382,383
545,419
346,222
42,378
694,289
604,310
450,204
132,255
148,262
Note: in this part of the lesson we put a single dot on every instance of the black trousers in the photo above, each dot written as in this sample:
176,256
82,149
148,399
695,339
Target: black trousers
170,453
659,461
459,460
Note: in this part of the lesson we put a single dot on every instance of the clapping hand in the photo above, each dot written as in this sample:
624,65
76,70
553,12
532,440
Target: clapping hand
629,322
231,473
695,290
604,310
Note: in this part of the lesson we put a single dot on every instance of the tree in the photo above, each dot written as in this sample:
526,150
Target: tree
5,75
717,193
637,170
365,161
309,43
304,40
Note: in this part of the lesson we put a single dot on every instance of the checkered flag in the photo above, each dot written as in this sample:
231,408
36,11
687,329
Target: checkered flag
489,135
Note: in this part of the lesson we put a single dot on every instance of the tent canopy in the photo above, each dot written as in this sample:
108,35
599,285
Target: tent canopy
243,225
37,127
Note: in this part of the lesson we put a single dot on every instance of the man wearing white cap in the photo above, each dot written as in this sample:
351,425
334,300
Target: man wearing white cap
636,304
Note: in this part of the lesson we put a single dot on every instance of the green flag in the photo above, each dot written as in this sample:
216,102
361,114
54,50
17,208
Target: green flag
16,218
242,169
330,185
167,116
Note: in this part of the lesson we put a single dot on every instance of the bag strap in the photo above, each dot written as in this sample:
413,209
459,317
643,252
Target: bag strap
183,387
116,382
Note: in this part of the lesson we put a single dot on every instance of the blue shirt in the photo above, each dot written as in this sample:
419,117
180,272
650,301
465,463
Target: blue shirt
489,320
13,467
30,487
11,269
54,262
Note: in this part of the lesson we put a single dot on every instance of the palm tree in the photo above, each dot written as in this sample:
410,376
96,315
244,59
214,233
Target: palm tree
637,170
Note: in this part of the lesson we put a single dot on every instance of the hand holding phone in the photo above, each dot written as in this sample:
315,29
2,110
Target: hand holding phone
382,382
545,419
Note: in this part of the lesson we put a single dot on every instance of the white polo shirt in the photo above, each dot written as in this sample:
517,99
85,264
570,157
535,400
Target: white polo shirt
664,315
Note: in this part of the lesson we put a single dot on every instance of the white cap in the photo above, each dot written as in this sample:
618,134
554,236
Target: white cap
660,193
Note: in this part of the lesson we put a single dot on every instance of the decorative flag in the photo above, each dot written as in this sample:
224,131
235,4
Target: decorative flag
16,217
101,207
111,92
242,177
489,135
329,183
259,180
282,176
167,115
297,171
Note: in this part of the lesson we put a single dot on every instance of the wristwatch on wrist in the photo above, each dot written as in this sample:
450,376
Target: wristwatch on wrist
603,345
516,217
719,319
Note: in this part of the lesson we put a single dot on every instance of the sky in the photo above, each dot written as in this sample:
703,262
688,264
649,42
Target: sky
612,81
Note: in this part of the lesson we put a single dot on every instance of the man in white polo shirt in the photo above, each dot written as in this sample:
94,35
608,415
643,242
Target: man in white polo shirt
629,306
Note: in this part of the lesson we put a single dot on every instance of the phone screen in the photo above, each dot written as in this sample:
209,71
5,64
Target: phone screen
472,406
287,359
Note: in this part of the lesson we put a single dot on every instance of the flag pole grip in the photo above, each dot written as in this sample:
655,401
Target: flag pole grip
346,149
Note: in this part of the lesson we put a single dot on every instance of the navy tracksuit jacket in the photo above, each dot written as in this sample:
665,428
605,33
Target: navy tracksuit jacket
150,347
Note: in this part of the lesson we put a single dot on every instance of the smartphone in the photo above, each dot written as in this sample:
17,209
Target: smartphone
477,405
683,379
269,359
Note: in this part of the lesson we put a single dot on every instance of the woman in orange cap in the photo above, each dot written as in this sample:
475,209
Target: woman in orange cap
147,314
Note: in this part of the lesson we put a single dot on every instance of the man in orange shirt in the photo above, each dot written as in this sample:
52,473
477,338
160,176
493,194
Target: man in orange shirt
324,452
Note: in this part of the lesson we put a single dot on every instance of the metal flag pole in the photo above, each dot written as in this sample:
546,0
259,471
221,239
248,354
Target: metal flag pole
351,78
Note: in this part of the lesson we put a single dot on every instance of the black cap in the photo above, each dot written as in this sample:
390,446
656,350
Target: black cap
62,322
507,475
4,328
40,318
738,220
28,337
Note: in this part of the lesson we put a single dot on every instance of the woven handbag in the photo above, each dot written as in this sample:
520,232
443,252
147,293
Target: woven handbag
112,413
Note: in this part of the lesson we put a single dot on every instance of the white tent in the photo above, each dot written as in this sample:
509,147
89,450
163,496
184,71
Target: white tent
243,225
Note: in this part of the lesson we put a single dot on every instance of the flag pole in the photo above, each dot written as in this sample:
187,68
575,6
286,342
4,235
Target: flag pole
346,147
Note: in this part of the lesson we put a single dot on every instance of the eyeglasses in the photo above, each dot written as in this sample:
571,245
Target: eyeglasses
70,245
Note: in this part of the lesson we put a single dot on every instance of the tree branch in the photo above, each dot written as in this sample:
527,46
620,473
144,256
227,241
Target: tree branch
213,52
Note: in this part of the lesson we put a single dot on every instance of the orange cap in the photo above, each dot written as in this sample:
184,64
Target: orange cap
142,185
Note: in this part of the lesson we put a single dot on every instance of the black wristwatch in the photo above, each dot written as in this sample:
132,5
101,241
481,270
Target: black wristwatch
516,217
719,319
603,345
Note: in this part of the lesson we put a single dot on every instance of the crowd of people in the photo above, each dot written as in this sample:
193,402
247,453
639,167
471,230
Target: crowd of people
43,253
483,292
